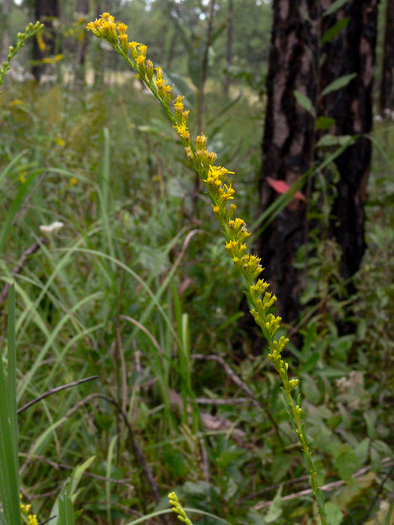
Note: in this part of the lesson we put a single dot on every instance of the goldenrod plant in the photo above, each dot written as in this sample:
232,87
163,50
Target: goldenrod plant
28,514
178,509
30,30
217,182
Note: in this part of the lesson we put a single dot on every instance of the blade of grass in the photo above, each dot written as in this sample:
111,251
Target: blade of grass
15,207
170,511
71,485
9,469
110,458
52,339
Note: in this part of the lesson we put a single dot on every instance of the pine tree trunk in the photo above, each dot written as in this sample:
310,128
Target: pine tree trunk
229,46
352,51
5,43
83,11
47,12
386,90
296,63
288,144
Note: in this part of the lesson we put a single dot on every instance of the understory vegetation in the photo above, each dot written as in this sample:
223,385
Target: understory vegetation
134,290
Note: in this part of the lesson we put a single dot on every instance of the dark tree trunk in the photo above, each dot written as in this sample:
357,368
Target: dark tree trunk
386,90
288,144
5,12
229,46
289,138
83,11
352,51
47,12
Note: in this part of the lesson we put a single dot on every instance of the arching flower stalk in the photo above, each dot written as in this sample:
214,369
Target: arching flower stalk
221,193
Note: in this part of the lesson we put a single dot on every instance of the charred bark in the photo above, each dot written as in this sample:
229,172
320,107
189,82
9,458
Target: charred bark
298,61
288,143
47,12
83,11
352,51
386,90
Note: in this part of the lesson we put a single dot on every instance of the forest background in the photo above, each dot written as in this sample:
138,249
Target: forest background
135,289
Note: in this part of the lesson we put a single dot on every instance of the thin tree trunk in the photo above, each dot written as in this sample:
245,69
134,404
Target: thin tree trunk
229,46
83,11
5,43
352,51
46,11
171,49
204,68
386,90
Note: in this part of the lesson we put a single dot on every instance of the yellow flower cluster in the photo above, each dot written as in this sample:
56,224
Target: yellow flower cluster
31,29
215,178
26,510
221,193
177,508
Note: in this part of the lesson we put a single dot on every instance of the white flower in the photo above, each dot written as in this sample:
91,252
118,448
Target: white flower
51,228
377,118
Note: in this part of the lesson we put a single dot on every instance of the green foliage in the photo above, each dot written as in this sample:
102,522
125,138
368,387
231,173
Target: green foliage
124,256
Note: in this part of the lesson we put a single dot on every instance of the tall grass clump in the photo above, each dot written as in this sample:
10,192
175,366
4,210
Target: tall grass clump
218,185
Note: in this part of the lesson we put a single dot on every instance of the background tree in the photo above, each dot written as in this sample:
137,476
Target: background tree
386,90
312,46
47,11
351,52
4,12
82,13
288,143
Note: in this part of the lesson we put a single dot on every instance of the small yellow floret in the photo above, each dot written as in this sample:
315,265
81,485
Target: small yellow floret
122,28
133,49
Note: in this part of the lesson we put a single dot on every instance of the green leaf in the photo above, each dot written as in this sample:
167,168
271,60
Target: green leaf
71,486
320,499
275,509
324,122
66,516
9,469
387,521
347,462
286,397
362,450
334,30
370,419
305,102
334,514
338,84
13,209
333,140
334,7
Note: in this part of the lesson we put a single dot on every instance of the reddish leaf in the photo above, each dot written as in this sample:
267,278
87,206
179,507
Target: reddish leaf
281,187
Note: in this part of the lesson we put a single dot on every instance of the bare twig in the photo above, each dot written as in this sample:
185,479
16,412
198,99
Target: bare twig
380,488
22,260
137,450
243,386
55,391
328,487
123,482
221,402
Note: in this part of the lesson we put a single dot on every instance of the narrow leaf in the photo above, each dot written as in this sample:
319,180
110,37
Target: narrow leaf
334,30
9,477
339,83
334,7
333,140
305,102
324,122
